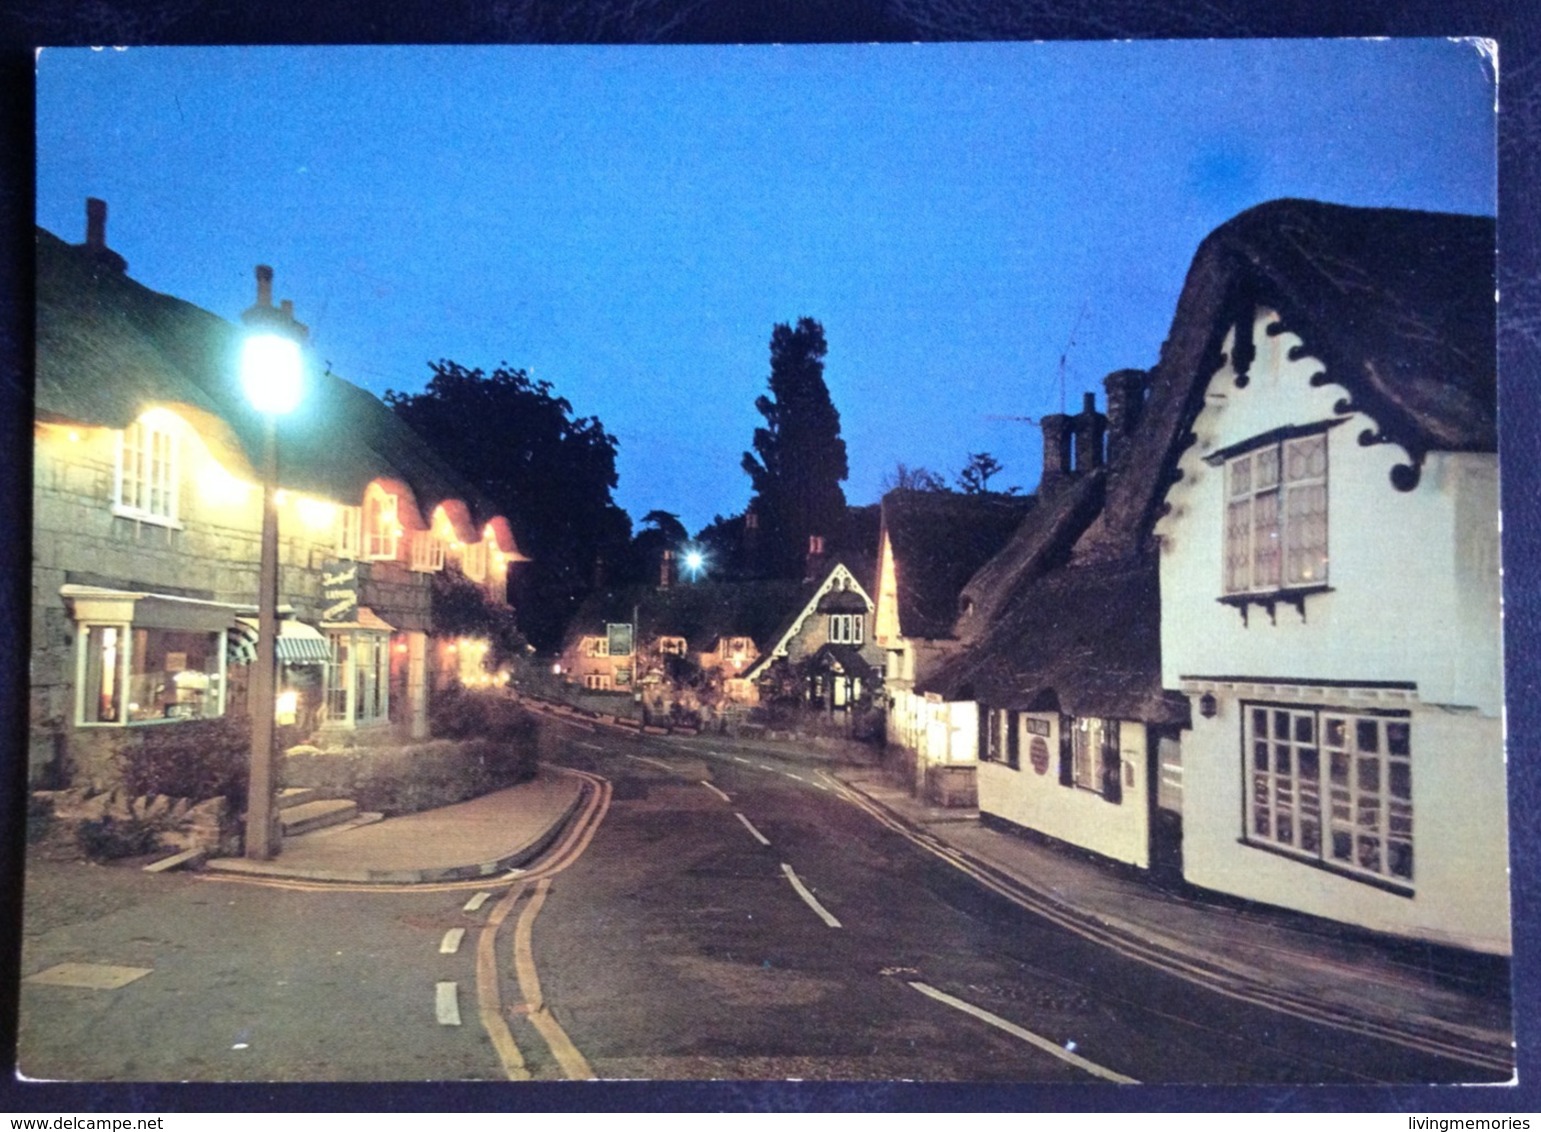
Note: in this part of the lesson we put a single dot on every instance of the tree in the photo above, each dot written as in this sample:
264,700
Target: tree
799,459
661,530
975,477
906,478
549,472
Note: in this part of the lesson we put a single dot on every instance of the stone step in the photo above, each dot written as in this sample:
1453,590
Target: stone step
316,815
293,796
362,818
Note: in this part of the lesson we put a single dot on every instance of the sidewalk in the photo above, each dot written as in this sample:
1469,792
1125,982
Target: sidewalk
483,837
1441,997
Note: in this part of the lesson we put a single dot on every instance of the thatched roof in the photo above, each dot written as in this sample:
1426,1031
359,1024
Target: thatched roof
939,540
1084,639
1041,542
108,348
1398,305
701,612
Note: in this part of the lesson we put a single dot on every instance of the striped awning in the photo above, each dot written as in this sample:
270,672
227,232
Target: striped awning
298,643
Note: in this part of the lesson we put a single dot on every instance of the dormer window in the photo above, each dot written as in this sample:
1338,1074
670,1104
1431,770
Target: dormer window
473,560
146,481
1276,516
847,628
427,552
381,526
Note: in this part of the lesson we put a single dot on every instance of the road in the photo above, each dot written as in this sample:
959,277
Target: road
715,914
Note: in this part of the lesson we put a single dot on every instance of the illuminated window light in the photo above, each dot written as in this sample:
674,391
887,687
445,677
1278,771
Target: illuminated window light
317,514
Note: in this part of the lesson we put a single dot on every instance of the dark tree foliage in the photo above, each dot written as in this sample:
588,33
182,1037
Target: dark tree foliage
975,477
549,472
916,478
799,459
661,530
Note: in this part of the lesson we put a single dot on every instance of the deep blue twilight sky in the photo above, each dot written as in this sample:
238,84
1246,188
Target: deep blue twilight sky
629,223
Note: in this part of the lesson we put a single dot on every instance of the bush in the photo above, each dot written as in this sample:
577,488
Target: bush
198,759
456,712
404,780
110,838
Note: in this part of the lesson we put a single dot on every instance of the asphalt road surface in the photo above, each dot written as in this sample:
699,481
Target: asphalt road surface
711,914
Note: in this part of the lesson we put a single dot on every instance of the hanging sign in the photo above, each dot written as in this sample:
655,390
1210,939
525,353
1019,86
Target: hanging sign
339,589
1038,755
619,634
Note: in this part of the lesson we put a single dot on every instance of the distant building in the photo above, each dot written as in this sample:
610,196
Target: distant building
147,512
929,545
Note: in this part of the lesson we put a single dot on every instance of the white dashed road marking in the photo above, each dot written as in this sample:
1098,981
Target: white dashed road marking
737,759
808,897
716,791
758,836
799,777
652,762
451,941
590,746
1026,1035
446,1004
477,901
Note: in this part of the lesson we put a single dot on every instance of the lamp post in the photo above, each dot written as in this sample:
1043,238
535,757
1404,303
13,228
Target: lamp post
271,377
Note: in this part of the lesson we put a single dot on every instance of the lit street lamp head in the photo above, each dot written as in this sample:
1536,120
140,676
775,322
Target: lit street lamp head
270,373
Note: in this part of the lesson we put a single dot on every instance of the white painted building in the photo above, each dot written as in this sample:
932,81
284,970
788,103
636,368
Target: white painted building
1330,569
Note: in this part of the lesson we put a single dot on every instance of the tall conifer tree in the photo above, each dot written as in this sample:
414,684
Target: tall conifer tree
799,459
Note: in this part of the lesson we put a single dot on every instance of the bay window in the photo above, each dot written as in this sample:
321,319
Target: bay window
358,679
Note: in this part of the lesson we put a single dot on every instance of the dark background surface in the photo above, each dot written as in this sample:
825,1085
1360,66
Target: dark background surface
1513,23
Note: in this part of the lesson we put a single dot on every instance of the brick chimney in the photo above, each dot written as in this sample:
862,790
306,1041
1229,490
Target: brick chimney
1125,390
264,313
666,569
1089,426
96,236
813,566
1056,450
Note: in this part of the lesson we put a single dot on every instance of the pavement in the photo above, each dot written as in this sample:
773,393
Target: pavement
1442,999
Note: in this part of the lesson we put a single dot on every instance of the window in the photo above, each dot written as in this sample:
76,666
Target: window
473,560
1276,516
358,679
596,646
671,646
597,682
139,674
1095,761
847,628
1366,824
427,552
146,480
381,528
350,527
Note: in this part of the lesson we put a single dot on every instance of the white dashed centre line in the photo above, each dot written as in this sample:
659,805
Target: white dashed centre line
762,766
808,897
758,836
716,791
737,759
652,762
590,746
1026,1035
799,777
446,1004
451,941
477,901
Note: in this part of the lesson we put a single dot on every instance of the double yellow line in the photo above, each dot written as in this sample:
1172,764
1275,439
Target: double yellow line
575,839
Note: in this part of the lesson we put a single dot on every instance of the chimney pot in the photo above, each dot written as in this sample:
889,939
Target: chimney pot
288,308
1089,426
264,285
1056,448
96,223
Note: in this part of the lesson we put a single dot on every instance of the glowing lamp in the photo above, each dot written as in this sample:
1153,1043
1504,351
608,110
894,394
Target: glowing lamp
694,560
270,373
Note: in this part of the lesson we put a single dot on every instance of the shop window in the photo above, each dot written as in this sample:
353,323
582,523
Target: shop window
358,679
146,479
142,674
1095,760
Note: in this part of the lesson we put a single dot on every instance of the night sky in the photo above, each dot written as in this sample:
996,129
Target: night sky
629,223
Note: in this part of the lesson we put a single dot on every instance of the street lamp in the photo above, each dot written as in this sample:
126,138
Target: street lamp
271,369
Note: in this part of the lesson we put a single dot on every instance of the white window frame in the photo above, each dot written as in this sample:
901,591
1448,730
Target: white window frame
147,473
427,552
1095,753
350,532
473,560
847,628
381,525
123,672
596,646
1276,516
596,681
358,681
1331,787
671,646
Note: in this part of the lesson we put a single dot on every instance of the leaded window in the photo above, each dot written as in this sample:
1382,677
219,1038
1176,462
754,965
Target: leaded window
1276,516
1333,786
146,478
